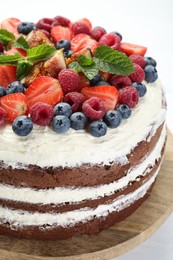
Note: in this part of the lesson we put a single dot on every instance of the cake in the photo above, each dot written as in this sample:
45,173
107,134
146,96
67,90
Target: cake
62,175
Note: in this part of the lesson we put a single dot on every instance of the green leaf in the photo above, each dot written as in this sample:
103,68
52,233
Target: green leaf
89,71
23,68
85,61
112,61
40,52
10,59
21,43
6,37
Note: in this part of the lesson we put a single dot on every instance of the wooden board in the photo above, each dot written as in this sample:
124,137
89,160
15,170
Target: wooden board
112,242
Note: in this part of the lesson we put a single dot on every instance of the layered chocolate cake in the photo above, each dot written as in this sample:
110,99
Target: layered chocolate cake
82,140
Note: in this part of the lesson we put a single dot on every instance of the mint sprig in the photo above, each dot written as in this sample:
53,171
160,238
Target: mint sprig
21,43
6,38
10,59
40,52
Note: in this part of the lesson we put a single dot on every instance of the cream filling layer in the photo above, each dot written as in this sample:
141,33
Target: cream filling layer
75,195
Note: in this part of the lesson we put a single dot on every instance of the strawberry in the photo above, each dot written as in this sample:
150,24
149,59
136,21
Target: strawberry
130,48
107,94
83,83
87,22
60,33
16,50
7,75
11,25
14,105
83,41
44,89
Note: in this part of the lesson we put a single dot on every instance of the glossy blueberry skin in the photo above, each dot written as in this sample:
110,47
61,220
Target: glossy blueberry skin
119,34
95,80
63,109
22,125
150,61
102,83
67,54
112,118
60,124
25,27
141,88
65,44
14,87
97,128
124,110
3,91
78,120
150,73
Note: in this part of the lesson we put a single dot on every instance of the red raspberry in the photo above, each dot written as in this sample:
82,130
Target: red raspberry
94,108
1,47
41,113
60,20
80,27
110,39
97,33
45,24
69,80
45,32
138,75
3,117
75,100
120,81
129,96
138,59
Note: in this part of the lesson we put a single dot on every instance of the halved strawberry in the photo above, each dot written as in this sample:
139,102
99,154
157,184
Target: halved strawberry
7,75
130,48
14,105
60,33
16,50
83,41
44,89
11,25
108,95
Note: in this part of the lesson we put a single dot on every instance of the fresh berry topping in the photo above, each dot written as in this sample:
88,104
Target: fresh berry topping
61,124
83,41
44,89
3,91
129,96
22,125
25,27
124,110
1,48
95,80
75,99
14,87
120,81
69,80
78,120
16,50
84,82
59,32
45,24
14,105
105,76
97,33
112,118
41,113
102,83
108,95
80,27
141,88
138,59
150,61
138,75
93,108
3,117
150,73
86,21
10,24
47,34
63,108
130,48
97,128
7,75
110,39
119,34
65,44
60,20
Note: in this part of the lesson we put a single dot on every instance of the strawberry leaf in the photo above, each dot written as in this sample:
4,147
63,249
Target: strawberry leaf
6,37
23,68
21,43
10,59
40,52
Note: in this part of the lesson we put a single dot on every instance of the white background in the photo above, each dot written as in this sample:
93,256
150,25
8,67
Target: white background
144,22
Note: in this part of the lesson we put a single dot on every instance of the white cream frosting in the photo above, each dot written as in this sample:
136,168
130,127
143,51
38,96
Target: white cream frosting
44,147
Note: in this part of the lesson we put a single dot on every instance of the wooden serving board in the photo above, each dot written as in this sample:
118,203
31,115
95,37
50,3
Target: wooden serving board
112,242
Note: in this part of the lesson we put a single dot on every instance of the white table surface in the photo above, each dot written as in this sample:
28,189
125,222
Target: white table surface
145,22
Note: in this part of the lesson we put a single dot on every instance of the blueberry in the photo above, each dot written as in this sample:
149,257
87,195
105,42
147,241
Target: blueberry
3,91
141,88
14,87
95,80
150,61
113,118
60,124
22,125
124,110
65,44
67,54
102,83
98,128
78,120
117,33
63,109
25,27
150,73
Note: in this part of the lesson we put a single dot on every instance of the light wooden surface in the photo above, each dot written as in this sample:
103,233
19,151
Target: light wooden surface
112,242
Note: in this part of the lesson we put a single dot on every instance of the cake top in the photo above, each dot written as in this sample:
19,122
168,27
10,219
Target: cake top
64,74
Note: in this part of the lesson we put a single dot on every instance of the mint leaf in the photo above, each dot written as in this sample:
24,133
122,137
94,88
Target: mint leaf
10,59
85,61
40,52
21,43
6,37
89,71
112,61
23,68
